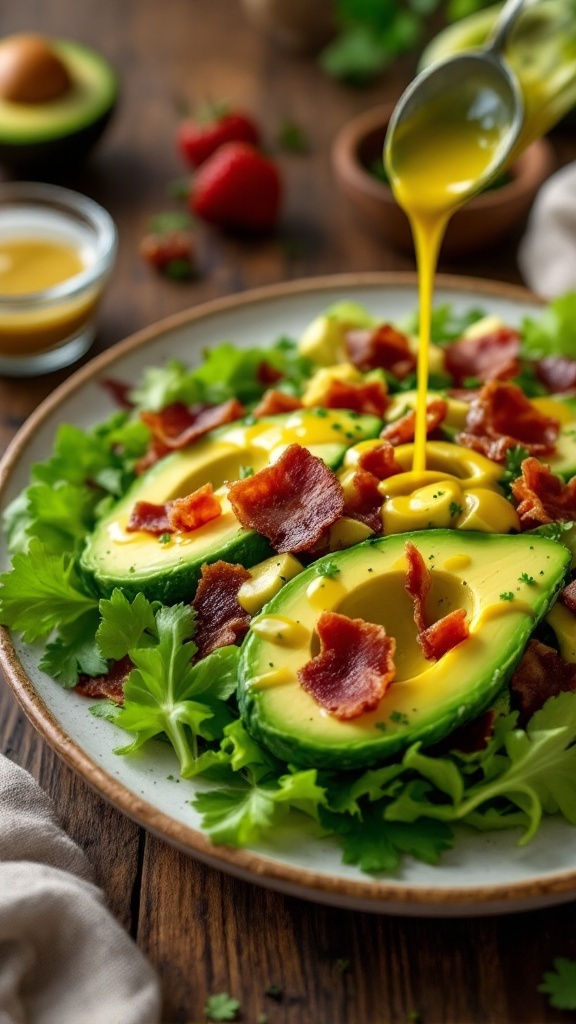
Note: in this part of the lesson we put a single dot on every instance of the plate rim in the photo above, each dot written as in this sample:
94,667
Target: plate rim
258,868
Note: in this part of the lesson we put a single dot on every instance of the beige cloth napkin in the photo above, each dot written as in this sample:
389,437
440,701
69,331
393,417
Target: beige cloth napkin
547,252
63,958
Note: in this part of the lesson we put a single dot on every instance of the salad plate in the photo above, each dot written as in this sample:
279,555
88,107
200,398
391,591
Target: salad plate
485,872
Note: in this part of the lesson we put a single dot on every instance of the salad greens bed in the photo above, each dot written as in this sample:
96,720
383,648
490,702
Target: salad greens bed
408,806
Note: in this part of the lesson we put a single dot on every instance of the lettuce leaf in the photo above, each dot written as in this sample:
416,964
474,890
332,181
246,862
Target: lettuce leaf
554,332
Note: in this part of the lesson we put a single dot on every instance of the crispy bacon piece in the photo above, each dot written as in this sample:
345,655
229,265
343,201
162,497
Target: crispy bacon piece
380,461
267,374
220,619
443,635
402,430
541,674
195,510
365,501
568,597
110,685
292,503
542,496
380,347
369,397
274,402
418,583
355,666
150,518
177,426
558,373
501,417
119,391
493,356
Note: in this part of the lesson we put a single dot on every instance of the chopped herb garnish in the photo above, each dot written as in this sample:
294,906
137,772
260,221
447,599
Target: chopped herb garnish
245,472
328,568
399,718
455,509
165,538
222,1007
507,596
524,577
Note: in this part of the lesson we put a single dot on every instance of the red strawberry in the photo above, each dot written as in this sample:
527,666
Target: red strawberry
237,187
199,137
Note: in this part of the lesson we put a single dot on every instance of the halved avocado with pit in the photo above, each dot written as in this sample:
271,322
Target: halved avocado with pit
168,568
505,584
37,135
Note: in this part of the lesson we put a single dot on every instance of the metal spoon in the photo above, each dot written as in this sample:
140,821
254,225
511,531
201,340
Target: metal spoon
475,86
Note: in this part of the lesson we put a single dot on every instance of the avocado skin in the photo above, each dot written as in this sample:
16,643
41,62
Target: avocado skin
179,582
57,154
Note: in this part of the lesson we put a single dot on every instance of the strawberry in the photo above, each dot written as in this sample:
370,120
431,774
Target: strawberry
199,137
237,187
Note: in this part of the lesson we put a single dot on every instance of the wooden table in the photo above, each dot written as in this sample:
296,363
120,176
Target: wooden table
205,931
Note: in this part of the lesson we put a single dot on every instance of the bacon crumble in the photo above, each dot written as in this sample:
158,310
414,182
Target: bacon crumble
541,674
402,430
220,618
492,356
542,496
501,417
109,685
293,502
354,668
380,347
370,398
177,426
444,634
380,461
181,515
150,518
274,402
568,597
364,501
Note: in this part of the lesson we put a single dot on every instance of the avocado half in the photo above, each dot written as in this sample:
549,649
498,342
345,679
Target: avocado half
39,136
505,583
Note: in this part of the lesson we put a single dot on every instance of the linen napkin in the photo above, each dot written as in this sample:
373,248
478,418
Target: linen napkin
547,251
64,959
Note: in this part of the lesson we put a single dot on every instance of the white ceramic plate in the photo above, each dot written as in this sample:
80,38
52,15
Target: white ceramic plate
484,873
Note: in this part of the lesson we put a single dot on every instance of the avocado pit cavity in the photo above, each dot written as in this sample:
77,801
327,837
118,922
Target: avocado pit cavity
31,71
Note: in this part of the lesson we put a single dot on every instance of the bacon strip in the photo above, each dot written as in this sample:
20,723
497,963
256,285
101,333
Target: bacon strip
381,347
568,597
150,518
220,619
542,496
364,501
493,356
177,426
274,402
501,417
402,430
444,634
292,503
182,514
110,685
355,666
558,373
380,461
267,374
119,391
541,674
369,397
195,510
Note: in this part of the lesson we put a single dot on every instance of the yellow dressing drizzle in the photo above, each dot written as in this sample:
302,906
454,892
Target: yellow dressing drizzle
279,629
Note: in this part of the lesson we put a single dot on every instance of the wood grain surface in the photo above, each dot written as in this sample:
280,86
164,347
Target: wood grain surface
204,931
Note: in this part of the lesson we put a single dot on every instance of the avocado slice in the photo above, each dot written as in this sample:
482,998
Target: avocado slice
427,700
61,130
168,569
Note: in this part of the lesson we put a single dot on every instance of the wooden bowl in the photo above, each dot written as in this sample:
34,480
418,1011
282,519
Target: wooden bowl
483,221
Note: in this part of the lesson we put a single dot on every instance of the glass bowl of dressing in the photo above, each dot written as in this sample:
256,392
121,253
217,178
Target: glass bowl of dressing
57,248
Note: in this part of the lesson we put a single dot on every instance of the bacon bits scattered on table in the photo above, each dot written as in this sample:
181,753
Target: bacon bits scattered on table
369,398
492,356
402,430
274,402
541,674
110,685
381,347
501,417
355,666
542,496
220,618
292,503
444,634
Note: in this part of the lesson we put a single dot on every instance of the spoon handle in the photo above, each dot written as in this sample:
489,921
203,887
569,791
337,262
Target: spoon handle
504,23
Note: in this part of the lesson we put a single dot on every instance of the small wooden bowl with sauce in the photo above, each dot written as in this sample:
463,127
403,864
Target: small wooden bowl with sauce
485,220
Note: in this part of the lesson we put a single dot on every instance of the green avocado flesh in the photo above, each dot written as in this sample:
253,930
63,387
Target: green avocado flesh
67,125
427,699
168,570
